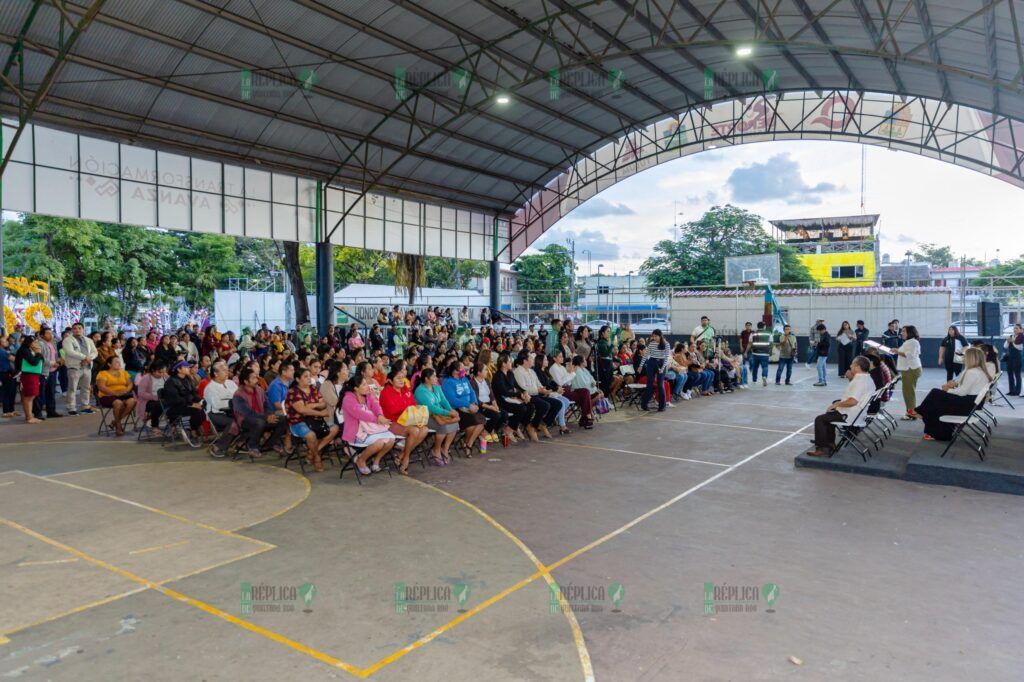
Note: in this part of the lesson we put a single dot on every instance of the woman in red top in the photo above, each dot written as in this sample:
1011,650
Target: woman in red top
396,396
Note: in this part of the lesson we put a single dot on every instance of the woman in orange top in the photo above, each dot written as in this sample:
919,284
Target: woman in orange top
114,389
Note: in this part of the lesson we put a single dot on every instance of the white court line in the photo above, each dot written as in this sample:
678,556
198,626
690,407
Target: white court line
727,426
630,452
6,483
776,407
25,564
622,529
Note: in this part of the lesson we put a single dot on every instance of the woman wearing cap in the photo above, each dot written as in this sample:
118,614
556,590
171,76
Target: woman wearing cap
181,398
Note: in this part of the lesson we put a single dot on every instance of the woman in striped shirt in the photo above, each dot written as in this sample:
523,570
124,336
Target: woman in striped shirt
653,366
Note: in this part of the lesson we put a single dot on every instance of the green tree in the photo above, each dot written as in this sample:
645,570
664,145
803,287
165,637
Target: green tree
1010,273
145,264
938,256
545,278
697,258
450,273
206,260
409,274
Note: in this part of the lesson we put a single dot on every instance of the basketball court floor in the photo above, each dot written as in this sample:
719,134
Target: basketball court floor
682,545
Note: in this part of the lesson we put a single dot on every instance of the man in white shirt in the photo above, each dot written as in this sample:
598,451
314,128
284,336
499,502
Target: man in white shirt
858,392
218,395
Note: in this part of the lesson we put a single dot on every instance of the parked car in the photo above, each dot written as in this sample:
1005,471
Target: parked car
649,324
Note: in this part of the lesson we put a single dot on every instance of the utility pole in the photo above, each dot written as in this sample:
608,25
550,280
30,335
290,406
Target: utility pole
572,272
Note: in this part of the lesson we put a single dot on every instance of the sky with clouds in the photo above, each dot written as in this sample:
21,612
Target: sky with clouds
919,200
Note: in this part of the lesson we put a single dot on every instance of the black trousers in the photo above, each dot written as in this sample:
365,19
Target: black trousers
195,415
223,422
494,420
1013,367
519,415
604,375
546,410
953,369
153,412
845,356
938,403
825,430
655,382
253,429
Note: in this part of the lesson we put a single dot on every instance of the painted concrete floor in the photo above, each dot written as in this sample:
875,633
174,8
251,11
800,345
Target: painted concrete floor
666,534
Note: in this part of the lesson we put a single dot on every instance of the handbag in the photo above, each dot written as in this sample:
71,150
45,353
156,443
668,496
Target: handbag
445,419
317,425
602,406
367,429
414,415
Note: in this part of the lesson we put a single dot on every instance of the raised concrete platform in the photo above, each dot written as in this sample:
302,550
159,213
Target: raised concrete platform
908,457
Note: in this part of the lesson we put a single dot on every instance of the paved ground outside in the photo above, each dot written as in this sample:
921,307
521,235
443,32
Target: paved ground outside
683,545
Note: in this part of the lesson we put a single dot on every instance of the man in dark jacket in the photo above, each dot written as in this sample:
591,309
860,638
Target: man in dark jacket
254,415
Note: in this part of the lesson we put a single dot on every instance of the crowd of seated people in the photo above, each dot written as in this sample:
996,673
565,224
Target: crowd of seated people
433,380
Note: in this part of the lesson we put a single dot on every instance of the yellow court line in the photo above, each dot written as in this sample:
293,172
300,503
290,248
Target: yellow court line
293,505
569,557
158,547
176,517
26,564
213,610
632,452
577,632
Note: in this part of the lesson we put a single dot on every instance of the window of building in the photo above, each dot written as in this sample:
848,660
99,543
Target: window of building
603,290
847,271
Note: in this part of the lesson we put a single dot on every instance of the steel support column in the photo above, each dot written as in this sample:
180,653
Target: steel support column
324,286
494,290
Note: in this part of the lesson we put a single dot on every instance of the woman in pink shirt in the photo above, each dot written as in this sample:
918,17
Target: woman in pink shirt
360,406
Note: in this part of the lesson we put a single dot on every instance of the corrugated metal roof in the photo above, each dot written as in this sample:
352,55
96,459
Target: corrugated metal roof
948,50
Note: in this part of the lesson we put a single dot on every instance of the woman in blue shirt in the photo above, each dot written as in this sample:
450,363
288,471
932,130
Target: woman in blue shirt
460,394
444,420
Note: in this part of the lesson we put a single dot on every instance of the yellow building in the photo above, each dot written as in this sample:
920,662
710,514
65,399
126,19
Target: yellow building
838,251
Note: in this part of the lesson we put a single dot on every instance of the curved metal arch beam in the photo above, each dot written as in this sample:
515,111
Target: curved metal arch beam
980,140
428,132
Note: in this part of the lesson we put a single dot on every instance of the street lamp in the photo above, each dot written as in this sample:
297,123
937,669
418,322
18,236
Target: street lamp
599,266
675,219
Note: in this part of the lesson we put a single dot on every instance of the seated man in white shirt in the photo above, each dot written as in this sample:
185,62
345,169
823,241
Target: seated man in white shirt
858,392
217,396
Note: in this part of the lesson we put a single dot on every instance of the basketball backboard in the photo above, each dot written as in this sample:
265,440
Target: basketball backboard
763,268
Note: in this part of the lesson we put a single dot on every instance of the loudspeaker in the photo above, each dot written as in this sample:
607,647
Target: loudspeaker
990,321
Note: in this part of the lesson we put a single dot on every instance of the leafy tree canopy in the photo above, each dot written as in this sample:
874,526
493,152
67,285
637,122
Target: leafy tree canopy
545,277
697,258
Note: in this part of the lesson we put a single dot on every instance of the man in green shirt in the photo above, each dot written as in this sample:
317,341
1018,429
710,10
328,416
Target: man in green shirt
786,342
552,340
760,349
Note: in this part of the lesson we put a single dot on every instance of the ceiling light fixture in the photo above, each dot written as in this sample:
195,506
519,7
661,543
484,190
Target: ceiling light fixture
503,99
744,51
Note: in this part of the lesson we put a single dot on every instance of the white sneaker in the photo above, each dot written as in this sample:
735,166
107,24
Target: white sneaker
687,396
764,381
185,436
668,404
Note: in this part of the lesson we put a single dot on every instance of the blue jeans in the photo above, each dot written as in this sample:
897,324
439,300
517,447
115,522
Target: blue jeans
812,354
743,371
821,370
560,418
654,385
758,361
788,364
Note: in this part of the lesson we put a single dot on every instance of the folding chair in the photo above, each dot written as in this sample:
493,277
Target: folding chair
972,427
850,432
350,452
1001,396
106,427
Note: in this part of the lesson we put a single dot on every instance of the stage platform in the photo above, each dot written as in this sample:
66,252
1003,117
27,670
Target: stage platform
908,457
